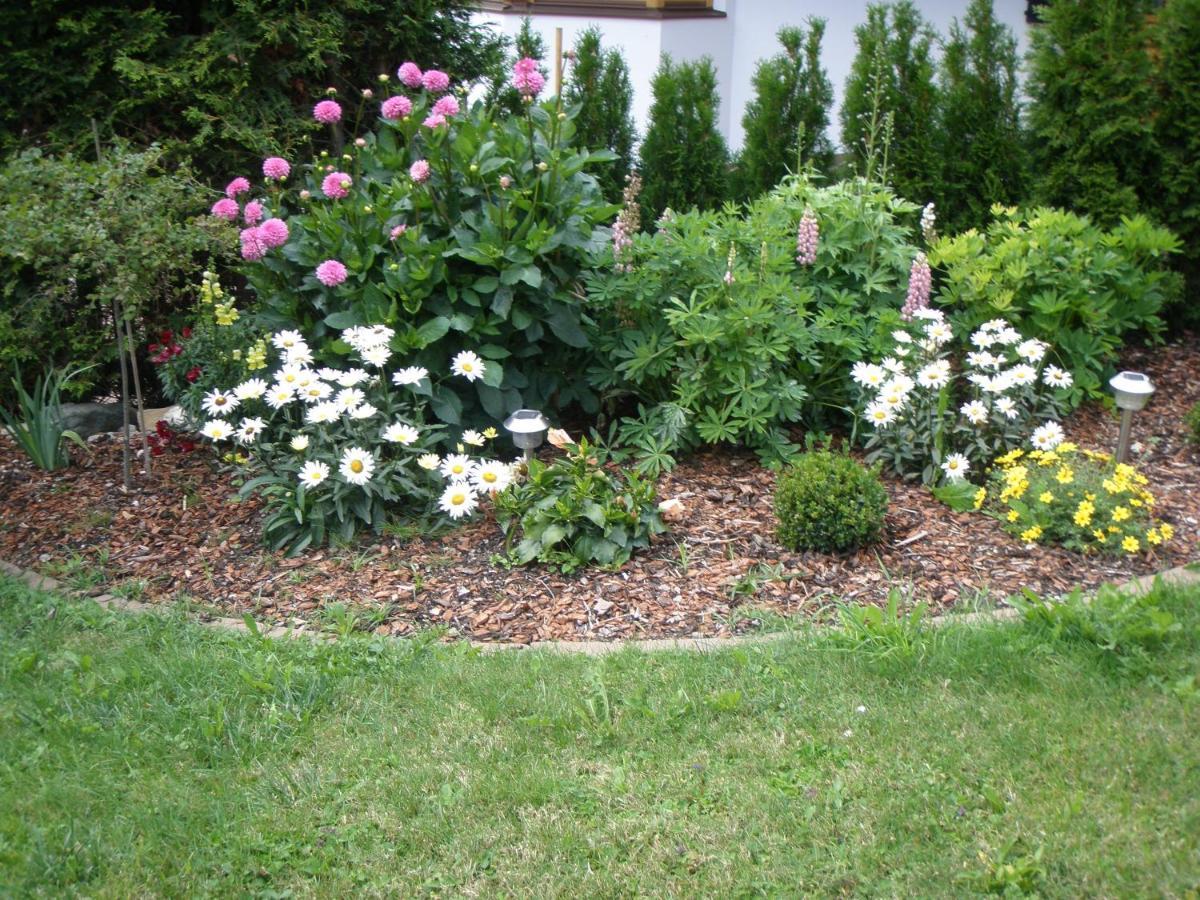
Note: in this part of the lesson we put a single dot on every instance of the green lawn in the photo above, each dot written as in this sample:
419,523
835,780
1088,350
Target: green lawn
143,755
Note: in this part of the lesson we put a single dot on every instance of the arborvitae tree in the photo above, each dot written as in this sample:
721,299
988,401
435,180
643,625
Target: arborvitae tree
527,43
896,45
684,157
599,84
983,149
788,116
1092,97
1178,128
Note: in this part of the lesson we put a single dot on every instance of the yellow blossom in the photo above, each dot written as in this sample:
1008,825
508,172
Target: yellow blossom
980,496
1120,514
1031,534
1130,544
1013,515
1153,537
1099,535
1067,447
1046,497
490,433
1065,475
1167,531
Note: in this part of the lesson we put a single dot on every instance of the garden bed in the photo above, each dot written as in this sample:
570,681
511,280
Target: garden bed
719,571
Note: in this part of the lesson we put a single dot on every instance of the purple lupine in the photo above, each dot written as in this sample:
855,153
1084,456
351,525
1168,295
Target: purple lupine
920,283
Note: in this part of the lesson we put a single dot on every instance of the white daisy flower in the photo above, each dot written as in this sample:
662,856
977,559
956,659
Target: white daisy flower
315,392
893,365
457,467
327,374
468,365
1032,350
363,411
900,336
902,383
217,403
938,332
217,430
1048,436
879,415
290,375
1007,406
322,413
287,340
458,500
929,314
934,375
348,398
1008,336
250,390
994,325
956,467
975,412
299,442
868,375
351,378
429,461
357,465
1022,374
983,339
893,399
377,356
491,476
980,359
999,383
400,433
298,356
902,351
1056,377
279,396
250,429
313,473
472,437
409,375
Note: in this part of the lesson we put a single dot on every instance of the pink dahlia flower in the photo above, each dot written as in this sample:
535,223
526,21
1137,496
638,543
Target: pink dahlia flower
396,107
433,121
527,79
435,82
273,232
336,185
225,209
237,186
253,212
253,246
410,74
398,230
331,273
327,112
276,167
419,171
446,106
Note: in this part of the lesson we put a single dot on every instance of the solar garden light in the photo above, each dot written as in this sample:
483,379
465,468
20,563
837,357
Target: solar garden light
1132,390
528,428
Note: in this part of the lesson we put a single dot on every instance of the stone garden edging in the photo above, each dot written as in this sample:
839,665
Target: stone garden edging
1180,575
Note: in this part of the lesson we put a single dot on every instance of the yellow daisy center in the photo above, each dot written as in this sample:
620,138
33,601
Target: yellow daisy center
356,466
489,476
458,499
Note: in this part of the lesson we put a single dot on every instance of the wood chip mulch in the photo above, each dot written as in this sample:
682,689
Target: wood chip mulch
717,572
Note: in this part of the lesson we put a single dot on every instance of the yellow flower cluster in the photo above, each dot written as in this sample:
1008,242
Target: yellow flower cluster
256,357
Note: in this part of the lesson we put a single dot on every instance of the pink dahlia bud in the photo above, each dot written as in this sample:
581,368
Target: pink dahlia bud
807,236
276,167
526,78
447,106
920,283
360,142
327,112
433,121
237,186
419,171
253,246
397,231
253,212
306,195
273,232
331,273
505,182
336,185
225,209
435,82
368,93
396,107
409,74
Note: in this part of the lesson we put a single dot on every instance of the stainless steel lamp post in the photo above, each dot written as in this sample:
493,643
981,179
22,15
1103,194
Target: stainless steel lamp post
1132,391
528,428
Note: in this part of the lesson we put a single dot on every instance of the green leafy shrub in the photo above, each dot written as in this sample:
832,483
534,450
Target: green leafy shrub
893,71
217,82
684,159
1191,424
983,148
75,236
577,511
599,84
723,336
786,121
1079,499
37,425
830,503
1055,274
468,230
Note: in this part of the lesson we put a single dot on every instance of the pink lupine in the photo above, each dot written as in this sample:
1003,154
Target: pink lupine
327,112
396,107
621,242
447,106
435,82
276,167
331,273
807,236
253,212
527,79
273,232
225,209
419,171
410,74
920,283
253,246
237,186
434,121
336,185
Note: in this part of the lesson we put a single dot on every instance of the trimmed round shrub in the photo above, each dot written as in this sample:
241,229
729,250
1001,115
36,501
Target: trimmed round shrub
829,502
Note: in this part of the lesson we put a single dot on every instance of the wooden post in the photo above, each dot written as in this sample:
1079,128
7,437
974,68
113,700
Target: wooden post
558,62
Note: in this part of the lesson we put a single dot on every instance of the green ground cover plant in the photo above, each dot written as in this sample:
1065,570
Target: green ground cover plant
144,754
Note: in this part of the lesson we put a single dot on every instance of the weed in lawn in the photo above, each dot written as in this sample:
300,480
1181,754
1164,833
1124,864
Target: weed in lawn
80,573
886,631
133,589
684,558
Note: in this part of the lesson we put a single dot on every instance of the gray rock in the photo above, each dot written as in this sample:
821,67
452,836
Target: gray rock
86,419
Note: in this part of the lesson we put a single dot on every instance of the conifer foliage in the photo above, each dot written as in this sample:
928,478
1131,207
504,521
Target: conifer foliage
786,120
599,83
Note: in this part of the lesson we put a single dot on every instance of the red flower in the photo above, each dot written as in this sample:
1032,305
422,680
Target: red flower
165,336
193,374
186,332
